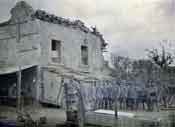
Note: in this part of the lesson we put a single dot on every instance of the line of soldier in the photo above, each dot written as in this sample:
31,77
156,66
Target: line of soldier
101,95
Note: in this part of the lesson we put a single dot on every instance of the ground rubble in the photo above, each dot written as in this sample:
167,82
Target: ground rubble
34,116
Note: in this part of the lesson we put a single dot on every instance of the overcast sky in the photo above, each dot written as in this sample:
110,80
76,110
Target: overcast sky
129,26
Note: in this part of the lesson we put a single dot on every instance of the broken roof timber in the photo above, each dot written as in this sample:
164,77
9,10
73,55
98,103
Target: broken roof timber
44,16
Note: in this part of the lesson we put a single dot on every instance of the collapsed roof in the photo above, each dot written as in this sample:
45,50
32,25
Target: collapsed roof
26,11
76,24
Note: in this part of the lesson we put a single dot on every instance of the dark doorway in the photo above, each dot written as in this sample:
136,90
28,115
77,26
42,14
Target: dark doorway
7,81
8,87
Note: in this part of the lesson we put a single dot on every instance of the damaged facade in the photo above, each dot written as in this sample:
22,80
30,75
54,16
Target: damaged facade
47,49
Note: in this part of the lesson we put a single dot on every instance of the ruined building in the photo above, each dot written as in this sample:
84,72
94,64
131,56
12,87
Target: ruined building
47,48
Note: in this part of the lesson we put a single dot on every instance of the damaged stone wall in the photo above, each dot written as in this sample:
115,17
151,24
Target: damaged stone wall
26,41
76,24
71,41
71,47
19,48
51,90
7,47
19,52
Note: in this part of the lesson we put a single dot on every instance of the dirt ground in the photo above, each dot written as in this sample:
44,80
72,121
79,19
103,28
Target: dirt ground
53,115
58,116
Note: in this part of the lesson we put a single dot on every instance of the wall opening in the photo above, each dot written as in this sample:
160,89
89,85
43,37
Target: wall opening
84,55
56,51
8,88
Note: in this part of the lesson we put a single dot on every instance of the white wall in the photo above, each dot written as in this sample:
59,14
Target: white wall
71,41
25,52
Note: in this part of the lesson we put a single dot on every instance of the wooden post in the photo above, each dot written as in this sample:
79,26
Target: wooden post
66,95
115,120
18,37
69,113
81,110
19,90
116,108
60,91
74,116
38,84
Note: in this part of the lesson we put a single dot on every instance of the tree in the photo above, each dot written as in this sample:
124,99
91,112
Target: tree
161,56
122,66
145,71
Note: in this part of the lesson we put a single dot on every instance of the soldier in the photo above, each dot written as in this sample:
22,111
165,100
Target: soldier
99,95
135,95
105,96
153,97
87,96
91,95
123,96
110,95
138,99
148,99
131,97
162,96
145,98
93,87
116,93
102,93
120,96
